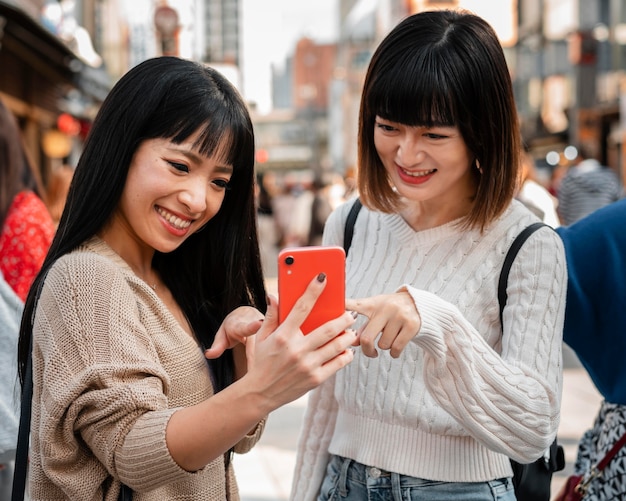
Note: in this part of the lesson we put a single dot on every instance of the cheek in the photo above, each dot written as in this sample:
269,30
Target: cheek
380,144
214,203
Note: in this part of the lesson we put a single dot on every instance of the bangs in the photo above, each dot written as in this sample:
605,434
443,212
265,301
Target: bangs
222,132
227,140
421,95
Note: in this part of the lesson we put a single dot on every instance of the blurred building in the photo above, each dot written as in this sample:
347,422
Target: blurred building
51,77
570,75
221,27
59,58
294,138
567,59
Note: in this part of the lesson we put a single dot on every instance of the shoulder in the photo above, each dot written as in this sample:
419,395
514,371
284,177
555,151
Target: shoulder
602,228
92,269
514,222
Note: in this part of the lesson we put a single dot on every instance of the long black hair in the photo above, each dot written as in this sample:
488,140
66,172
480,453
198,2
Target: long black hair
214,270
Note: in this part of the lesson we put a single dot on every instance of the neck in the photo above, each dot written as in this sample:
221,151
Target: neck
422,216
138,258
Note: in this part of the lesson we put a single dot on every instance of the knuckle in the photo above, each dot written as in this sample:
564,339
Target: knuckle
302,306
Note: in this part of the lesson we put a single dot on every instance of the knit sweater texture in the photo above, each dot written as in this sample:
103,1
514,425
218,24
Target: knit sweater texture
110,367
595,320
466,394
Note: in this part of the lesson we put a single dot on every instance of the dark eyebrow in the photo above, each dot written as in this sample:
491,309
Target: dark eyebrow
224,169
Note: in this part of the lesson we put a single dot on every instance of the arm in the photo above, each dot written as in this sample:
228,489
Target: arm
105,381
284,366
509,401
484,382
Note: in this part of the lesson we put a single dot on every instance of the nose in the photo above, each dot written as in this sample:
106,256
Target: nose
194,196
410,150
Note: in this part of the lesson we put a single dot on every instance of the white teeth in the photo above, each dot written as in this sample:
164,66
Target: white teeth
419,174
175,221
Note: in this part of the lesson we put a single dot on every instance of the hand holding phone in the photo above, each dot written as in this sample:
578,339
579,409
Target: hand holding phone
297,266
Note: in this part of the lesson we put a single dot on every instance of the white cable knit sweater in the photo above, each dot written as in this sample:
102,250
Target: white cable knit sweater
463,397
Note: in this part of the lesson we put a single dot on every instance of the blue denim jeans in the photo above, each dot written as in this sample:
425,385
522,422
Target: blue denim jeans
348,480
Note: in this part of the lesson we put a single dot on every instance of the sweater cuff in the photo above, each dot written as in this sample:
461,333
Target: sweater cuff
437,317
144,461
250,440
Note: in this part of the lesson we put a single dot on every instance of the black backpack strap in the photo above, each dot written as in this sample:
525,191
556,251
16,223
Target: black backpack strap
508,262
351,219
23,434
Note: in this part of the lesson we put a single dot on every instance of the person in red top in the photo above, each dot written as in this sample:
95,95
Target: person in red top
26,227
26,231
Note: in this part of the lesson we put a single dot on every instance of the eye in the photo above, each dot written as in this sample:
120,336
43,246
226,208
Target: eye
178,166
221,183
385,127
432,135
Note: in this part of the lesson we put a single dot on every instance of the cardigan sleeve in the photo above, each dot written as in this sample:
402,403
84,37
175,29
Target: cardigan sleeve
508,401
100,389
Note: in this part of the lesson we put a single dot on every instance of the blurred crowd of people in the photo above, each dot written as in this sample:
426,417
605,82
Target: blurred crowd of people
571,192
292,210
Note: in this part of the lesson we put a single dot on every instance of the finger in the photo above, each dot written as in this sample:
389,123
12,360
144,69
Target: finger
367,337
359,305
305,303
390,331
336,363
407,333
330,331
251,328
219,346
337,345
270,322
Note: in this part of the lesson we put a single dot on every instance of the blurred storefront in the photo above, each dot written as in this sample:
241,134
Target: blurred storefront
53,90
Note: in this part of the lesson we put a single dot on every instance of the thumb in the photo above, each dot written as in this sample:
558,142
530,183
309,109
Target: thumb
219,346
251,328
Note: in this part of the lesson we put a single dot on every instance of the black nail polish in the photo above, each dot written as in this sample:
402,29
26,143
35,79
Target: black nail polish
321,277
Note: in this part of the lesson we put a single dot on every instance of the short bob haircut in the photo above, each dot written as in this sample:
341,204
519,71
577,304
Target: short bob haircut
217,268
443,68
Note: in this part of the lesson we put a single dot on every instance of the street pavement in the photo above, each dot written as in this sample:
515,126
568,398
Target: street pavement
264,474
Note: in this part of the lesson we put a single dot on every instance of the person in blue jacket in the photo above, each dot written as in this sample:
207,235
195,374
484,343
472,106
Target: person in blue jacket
595,328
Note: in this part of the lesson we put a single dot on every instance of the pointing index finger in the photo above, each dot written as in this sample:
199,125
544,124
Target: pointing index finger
358,305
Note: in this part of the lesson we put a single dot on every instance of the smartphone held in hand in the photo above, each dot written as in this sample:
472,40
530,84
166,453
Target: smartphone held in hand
297,266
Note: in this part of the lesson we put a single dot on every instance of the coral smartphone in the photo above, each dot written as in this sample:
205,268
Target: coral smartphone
297,266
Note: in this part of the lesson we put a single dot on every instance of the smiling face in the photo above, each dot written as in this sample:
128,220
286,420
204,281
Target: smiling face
171,191
426,164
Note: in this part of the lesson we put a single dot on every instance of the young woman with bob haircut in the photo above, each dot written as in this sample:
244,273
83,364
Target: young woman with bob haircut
441,393
155,271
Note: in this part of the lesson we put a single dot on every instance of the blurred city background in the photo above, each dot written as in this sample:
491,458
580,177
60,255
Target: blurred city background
300,65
